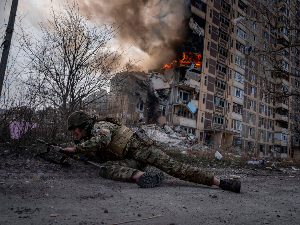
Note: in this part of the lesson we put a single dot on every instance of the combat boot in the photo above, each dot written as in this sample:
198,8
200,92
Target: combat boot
231,185
150,179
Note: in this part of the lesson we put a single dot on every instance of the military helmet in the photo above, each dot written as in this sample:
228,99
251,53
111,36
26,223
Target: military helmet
78,118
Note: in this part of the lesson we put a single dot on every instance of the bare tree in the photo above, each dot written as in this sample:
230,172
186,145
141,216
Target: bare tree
69,61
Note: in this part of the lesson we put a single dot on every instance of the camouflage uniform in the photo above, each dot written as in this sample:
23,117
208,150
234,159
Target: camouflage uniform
136,156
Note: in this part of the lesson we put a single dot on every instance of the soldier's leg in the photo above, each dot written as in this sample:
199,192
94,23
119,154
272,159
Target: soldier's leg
122,170
156,157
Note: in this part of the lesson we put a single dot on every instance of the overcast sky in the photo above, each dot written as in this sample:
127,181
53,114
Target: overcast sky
151,39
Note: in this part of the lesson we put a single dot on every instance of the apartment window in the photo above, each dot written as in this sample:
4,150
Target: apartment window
285,65
224,36
233,14
297,83
183,96
232,28
262,121
202,118
241,33
255,27
238,92
239,77
204,98
251,103
163,110
224,20
252,90
240,47
265,34
255,38
240,62
219,101
261,134
208,45
209,29
230,74
217,119
223,51
253,78
264,95
253,64
236,108
228,107
231,58
210,13
237,125
263,108
220,84
222,68
271,111
229,90
250,117
206,63
270,136
205,80
226,123
250,130
255,14
140,106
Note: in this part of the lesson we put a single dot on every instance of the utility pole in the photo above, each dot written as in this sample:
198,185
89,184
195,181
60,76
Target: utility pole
7,41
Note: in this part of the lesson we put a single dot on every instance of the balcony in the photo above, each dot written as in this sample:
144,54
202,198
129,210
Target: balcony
198,12
183,121
281,118
281,80
219,110
281,105
237,116
280,130
279,142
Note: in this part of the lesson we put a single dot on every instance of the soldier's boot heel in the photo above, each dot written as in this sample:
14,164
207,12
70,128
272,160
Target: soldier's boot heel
150,179
231,185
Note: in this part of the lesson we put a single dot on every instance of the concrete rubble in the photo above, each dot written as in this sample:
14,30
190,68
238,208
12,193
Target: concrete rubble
172,136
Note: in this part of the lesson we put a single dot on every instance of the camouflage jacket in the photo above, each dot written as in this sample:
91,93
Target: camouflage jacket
101,135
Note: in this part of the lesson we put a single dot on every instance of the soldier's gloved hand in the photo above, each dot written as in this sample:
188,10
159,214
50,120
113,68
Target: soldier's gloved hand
69,149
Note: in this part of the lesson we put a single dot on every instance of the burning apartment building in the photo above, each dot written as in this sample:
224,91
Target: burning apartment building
212,89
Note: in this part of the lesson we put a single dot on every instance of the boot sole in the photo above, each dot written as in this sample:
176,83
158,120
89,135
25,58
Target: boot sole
150,179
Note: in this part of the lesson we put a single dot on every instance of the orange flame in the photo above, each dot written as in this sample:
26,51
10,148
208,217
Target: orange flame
187,58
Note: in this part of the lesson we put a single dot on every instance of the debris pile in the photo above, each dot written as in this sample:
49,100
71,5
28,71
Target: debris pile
172,136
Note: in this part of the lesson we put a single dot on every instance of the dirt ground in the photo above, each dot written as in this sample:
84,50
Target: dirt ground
33,191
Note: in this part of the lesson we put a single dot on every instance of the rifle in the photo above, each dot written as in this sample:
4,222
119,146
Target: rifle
66,155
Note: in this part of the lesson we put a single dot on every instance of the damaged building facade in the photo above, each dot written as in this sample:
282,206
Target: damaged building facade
213,89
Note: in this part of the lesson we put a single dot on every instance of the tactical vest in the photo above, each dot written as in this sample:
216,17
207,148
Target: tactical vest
120,139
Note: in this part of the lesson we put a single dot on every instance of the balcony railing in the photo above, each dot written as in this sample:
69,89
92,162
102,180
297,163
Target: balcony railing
282,118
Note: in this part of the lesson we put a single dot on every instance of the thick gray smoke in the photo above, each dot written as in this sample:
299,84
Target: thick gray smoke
151,26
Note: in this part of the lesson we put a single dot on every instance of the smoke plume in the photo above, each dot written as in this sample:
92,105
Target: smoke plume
151,26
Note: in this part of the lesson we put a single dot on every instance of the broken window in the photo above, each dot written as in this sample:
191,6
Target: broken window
140,106
237,125
225,6
240,62
221,84
239,77
223,51
241,33
224,20
250,131
238,92
219,101
237,108
222,68
223,36
163,110
183,96
240,47
217,119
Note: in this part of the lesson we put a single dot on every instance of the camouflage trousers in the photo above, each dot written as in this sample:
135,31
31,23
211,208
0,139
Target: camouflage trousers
141,157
